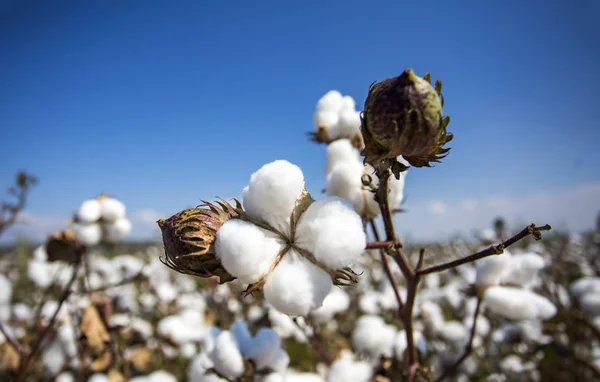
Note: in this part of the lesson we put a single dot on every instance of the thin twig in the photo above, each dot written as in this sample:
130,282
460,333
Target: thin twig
380,244
531,229
386,266
9,212
468,348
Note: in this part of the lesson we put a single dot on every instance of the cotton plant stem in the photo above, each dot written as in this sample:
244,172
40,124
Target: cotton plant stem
451,371
386,265
531,229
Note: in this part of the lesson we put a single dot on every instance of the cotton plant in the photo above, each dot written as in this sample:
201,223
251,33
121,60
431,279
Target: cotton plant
335,117
102,219
586,291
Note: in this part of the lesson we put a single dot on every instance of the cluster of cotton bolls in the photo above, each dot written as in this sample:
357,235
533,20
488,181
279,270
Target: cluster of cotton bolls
101,219
336,117
346,175
294,254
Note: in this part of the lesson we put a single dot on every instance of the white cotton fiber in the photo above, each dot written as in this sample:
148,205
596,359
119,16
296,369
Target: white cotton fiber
279,362
524,268
373,336
493,269
296,286
245,250
336,301
272,192
89,211
226,356
349,122
400,343
344,370
331,101
455,332
341,151
518,304
585,285
590,303
88,234
117,230
264,347
332,232
348,103
328,120
345,182
112,209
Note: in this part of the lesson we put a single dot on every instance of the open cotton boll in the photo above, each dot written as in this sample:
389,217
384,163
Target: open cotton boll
264,347
590,303
272,192
348,103
279,362
344,370
89,211
88,234
585,285
455,333
400,343
226,356
373,336
53,357
493,269
117,230
157,376
285,325
296,286
332,101
98,377
524,268
349,122
345,182
341,151
518,304
5,290
245,250
336,301
332,232
329,120
112,209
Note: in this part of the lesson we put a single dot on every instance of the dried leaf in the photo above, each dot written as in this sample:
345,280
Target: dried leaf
9,358
141,359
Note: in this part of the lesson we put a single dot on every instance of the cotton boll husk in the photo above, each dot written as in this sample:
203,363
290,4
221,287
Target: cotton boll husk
88,234
518,304
341,151
331,101
226,356
349,123
264,347
272,192
336,301
245,250
524,268
373,336
585,285
493,269
117,230
296,286
112,209
89,211
344,370
332,232
590,303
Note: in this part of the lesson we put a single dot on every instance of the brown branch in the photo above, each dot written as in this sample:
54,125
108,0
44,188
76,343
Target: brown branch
468,348
380,244
531,229
386,265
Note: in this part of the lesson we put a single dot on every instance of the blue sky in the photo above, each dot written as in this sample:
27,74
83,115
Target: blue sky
166,103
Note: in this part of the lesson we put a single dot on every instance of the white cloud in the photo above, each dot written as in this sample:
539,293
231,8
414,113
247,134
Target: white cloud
574,209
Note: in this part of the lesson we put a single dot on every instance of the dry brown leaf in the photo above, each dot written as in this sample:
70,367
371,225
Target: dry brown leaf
141,359
114,375
94,330
9,358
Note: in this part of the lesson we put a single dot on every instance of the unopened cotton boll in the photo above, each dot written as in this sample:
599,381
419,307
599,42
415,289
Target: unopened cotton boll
518,304
226,356
297,286
272,192
89,211
245,250
112,209
88,234
344,370
117,230
332,232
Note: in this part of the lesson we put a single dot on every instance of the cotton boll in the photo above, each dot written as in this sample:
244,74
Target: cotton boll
296,286
332,101
511,364
585,285
98,377
518,304
349,122
372,336
432,316
53,358
272,192
5,290
226,356
157,376
22,312
89,211
336,301
493,269
264,347
65,377
369,302
396,189
88,234
455,333
344,370
245,250
328,120
590,303
348,103
345,182
341,151
524,268
332,232
188,350
117,230
302,377
112,209
285,325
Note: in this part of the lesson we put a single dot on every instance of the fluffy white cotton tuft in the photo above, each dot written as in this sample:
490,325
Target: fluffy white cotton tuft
373,336
117,230
341,151
344,370
88,234
329,120
585,285
272,192
332,232
590,303
345,182
296,286
226,356
89,211
245,250
112,209
349,122
524,268
518,304
331,101
336,301
493,269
